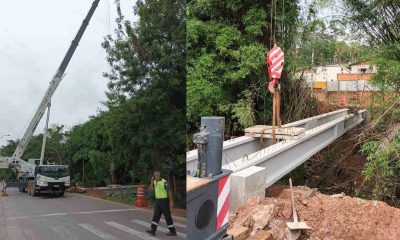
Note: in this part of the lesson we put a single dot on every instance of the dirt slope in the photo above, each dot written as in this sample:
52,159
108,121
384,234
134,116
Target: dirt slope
330,217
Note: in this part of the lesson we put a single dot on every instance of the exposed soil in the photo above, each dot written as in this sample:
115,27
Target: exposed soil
338,167
330,217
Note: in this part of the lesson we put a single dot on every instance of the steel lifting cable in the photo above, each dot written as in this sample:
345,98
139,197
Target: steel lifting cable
274,61
271,28
283,26
270,47
275,22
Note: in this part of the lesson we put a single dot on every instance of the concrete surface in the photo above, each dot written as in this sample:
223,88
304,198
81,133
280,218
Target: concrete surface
75,217
246,183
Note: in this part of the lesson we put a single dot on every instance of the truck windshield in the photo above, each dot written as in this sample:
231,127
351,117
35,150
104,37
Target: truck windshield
53,171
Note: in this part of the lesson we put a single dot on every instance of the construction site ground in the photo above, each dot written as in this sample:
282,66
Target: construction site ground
330,216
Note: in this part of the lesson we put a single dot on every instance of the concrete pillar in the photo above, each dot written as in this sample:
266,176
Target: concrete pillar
245,184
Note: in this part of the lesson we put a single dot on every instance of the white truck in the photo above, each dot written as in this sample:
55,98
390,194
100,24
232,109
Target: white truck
40,178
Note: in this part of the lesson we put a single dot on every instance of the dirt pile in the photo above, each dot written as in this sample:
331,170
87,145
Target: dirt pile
330,217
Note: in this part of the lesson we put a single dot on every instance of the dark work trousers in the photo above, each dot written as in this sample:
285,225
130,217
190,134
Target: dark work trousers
162,207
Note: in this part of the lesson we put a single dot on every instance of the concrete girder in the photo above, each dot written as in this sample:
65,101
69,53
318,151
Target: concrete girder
282,157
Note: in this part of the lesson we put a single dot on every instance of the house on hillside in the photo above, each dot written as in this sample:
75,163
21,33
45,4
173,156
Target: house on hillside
318,77
340,78
358,78
362,67
341,85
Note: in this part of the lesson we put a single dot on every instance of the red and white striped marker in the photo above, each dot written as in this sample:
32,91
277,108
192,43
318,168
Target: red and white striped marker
275,59
224,187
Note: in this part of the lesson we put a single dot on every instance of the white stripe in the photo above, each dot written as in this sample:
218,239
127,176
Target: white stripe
225,219
223,195
61,214
42,215
132,231
162,229
97,232
175,223
276,59
275,51
105,211
152,222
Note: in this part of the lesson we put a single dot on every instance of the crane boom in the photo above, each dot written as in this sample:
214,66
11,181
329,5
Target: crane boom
19,151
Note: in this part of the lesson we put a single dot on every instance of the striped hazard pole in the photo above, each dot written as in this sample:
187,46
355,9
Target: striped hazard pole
223,201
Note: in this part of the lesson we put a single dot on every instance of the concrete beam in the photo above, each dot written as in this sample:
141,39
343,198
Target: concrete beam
281,158
241,147
246,183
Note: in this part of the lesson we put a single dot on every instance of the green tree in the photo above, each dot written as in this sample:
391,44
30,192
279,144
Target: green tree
226,46
380,21
143,125
146,90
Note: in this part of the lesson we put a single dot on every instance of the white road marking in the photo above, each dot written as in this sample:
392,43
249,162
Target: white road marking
175,223
63,233
162,229
132,231
42,215
73,213
122,204
97,232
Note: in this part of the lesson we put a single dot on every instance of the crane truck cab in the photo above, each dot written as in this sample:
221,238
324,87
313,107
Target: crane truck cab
53,179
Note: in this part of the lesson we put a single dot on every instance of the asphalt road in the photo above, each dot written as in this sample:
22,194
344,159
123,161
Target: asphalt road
76,217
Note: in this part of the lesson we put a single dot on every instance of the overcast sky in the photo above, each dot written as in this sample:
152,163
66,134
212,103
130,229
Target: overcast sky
34,37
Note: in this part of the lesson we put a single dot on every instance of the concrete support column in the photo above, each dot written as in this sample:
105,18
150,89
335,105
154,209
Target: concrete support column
245,184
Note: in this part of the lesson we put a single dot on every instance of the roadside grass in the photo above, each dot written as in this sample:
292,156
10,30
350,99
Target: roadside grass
126,197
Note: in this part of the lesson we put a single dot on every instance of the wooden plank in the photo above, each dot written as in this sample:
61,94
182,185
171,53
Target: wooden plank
193,183
239,233
287,137
266,129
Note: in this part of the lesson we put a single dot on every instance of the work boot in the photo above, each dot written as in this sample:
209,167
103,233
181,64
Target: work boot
171,234
151,232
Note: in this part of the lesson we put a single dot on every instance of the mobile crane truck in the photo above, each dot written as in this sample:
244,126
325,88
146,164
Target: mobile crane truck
40,178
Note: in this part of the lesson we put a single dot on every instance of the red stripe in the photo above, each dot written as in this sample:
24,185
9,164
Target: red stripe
223,212
279,61
221,184
276,54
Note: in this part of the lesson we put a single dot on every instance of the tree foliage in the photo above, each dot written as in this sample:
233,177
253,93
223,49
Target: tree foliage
327,39
143,125
380,20
382,166
226,45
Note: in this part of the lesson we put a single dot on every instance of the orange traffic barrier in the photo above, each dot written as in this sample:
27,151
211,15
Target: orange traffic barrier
140,197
